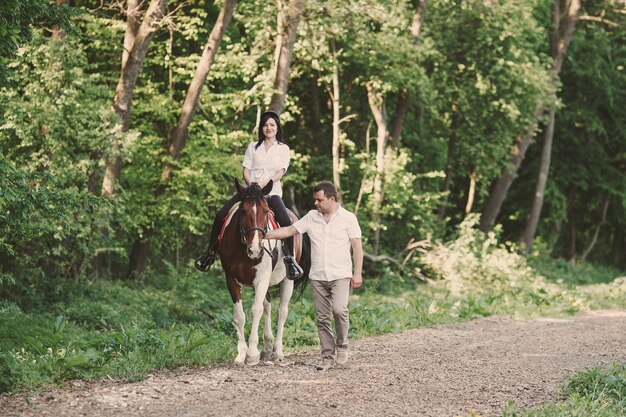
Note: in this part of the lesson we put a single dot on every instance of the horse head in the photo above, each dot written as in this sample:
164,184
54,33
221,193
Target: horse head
253,215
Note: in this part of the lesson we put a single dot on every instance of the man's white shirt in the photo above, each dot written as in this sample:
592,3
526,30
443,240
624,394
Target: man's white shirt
330,243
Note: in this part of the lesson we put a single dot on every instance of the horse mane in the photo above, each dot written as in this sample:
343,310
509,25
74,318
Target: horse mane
253,192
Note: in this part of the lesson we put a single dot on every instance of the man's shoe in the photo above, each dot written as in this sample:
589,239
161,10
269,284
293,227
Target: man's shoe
326,364
294,271
204,262
342,357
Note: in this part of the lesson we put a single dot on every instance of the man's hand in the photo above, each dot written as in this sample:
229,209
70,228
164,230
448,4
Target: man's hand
356,281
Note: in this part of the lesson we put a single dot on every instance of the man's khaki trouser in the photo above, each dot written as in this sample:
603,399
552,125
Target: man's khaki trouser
331,300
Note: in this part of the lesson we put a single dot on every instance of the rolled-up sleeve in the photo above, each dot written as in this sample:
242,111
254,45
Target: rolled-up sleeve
304,224
285,156
354,230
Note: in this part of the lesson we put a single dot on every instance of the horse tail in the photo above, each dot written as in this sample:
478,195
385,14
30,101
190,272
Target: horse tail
305,264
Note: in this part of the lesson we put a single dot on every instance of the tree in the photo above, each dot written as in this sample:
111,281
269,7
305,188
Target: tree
560,38
178,137
18,17
520,146
131,67
285,40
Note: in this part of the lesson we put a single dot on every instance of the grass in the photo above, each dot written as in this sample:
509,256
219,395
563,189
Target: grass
595,392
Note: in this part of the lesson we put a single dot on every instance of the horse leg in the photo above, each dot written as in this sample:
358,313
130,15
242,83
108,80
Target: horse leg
286,291
240,320
260,289
268,337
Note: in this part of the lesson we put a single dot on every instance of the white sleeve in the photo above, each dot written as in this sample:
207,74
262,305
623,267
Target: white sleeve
285,157
247,158
303,225
354,230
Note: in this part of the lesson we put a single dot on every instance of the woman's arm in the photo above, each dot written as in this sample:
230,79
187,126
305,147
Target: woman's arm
276,176
246,175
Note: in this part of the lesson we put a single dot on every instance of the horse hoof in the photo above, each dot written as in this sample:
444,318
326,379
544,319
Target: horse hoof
252,360
278,358
266,356
239,364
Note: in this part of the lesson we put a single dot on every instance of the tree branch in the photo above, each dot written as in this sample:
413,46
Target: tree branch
600,20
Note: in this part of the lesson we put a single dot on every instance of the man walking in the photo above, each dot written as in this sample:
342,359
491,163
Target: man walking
333,230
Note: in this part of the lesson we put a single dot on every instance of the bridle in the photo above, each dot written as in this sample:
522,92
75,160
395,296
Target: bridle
243,233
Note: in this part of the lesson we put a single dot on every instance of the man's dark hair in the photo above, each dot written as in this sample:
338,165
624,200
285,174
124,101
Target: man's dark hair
328,188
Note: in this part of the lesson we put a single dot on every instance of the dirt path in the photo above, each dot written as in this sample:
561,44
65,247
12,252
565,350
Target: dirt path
441,371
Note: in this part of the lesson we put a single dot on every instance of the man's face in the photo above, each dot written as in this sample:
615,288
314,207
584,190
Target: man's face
323,204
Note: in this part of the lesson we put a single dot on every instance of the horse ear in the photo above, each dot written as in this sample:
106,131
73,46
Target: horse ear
268,187
238,186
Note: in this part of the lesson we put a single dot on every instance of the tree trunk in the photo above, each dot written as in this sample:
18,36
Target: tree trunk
502,185
336,114
359,197
471,192
572,224
597,232
544,168
178,139
376,103
403,94
558,47
445,188
139,256
125,89
57,32
283,64
398,120
316,113
418,19
619,247
133,12
507,175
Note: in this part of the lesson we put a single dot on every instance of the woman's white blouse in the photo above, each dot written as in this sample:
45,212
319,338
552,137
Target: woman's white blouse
264,165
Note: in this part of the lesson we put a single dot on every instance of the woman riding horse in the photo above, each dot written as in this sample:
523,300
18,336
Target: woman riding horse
264,160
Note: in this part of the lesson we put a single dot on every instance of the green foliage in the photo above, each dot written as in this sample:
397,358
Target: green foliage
39,354
18,17
44,228
490,73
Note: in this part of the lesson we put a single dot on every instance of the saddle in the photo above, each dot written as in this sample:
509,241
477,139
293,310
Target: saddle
273,224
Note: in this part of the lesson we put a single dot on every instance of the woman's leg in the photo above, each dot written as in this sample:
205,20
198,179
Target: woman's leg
294,271
282,217
204,262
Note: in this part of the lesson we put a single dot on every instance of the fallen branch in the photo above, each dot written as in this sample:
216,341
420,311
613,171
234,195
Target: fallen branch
382,258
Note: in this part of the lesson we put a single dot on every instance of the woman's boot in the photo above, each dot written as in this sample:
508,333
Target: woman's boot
204,262
294,271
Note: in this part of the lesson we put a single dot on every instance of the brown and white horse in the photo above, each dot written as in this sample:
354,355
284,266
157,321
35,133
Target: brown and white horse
248,260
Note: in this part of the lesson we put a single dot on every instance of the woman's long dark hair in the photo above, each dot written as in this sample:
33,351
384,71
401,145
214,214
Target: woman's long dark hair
279,131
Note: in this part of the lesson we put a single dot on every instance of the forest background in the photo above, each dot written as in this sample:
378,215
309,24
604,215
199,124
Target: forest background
482,145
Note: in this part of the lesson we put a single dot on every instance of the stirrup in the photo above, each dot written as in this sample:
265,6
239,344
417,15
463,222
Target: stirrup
294,271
